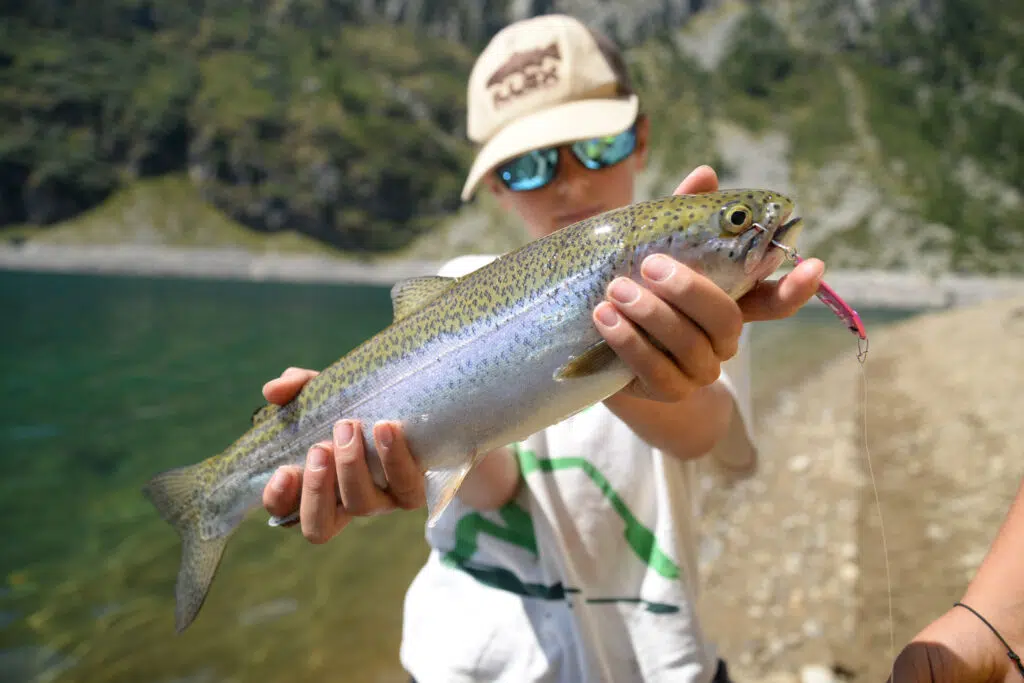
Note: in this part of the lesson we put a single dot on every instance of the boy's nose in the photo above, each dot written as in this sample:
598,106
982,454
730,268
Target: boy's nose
573,177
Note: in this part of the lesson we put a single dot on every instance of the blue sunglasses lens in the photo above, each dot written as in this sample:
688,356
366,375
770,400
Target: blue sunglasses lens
530,171
607,151
535,169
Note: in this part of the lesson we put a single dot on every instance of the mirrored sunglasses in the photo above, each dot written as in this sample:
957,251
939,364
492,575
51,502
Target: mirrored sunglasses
539,167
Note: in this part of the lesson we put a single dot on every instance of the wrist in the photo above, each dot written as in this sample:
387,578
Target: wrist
999,628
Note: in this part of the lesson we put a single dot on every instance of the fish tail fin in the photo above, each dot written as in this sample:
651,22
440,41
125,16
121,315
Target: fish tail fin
177,495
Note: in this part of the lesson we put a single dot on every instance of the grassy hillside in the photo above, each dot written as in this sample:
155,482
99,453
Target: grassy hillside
899,133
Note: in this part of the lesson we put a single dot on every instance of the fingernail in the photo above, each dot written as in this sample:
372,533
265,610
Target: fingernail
343,433
317,459
607,316
385,435
658,268
277,482
624,291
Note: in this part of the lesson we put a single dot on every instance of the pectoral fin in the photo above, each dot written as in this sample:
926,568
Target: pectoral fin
593,360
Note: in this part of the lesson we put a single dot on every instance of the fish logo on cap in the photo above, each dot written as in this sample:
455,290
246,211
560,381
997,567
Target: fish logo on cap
525,72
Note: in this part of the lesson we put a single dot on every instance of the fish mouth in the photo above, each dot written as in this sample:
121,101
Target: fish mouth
785,235
768,247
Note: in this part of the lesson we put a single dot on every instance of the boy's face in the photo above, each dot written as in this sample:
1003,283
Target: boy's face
576,192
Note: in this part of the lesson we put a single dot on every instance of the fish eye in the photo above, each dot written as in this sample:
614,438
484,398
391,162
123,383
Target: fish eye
738,218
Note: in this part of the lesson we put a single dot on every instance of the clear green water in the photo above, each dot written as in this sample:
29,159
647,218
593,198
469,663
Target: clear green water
108,380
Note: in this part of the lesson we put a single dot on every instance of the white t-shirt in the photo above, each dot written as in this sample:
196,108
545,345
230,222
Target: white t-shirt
589,574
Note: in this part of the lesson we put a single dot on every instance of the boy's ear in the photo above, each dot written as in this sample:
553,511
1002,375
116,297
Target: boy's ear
496,188
643,130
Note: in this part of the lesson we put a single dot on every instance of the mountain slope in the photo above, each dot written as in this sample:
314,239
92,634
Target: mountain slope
898,126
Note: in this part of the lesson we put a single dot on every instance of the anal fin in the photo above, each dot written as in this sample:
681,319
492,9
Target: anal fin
441,487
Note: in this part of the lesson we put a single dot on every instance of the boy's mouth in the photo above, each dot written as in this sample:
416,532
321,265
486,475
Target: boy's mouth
577,216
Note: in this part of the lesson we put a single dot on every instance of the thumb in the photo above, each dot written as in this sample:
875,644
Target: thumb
701,179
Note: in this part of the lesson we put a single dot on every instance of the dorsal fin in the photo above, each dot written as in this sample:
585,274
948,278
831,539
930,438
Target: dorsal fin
412,294
263,412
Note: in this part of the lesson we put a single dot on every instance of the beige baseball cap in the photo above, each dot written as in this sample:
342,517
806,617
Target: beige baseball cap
541,82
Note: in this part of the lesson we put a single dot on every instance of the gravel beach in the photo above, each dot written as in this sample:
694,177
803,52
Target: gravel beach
795,585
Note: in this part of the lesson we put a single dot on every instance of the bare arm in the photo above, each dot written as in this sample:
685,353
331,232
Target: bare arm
958,647
686,429
997,590
493,482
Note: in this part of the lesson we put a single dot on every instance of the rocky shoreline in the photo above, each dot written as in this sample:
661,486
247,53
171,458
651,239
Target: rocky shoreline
869,288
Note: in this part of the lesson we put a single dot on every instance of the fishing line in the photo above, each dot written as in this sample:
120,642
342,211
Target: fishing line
848,315
878,508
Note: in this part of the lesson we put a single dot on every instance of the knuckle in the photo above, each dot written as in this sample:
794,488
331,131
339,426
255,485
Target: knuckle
359,507
314,535
664,383
315,481
682,283
409,503
407,496
730,348
734,327
676,390
706,367
347,457
645,306
708,374
275,503
622,338
633,343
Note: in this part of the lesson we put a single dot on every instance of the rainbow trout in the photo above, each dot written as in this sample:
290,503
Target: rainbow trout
473,363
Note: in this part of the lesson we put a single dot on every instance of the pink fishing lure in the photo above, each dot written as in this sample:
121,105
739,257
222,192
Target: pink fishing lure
843,310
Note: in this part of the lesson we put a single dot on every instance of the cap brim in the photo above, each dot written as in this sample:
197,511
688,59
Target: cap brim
578,120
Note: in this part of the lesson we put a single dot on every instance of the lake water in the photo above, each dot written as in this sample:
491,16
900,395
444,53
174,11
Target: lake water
108,380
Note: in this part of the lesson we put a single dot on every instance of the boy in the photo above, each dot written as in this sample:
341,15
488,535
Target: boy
570,556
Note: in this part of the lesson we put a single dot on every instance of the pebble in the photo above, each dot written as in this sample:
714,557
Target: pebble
817,674
813,629
775,648
799,463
